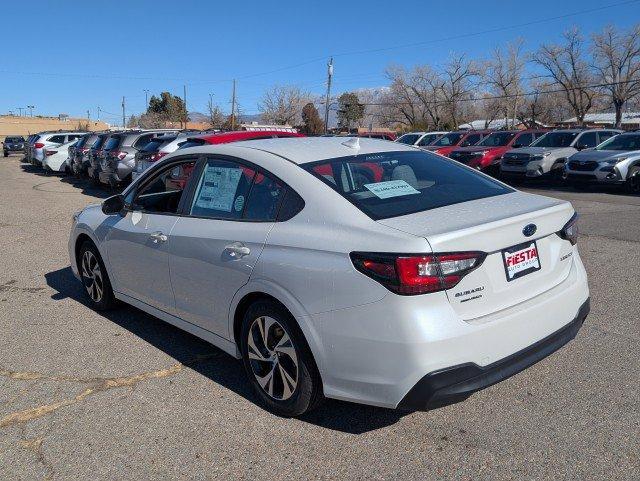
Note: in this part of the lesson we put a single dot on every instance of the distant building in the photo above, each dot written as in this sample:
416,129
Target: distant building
255,126
630,120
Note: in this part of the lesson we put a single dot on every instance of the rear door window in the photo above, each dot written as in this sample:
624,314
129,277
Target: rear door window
588,140
471,139
390,184
604,135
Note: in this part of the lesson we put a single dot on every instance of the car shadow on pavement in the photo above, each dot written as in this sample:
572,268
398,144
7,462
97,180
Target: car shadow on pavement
88,188
215,364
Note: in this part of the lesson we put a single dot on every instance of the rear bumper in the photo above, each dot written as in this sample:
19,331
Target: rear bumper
459,382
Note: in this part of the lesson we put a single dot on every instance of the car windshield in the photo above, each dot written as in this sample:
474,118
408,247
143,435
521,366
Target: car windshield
555,139
14,139
621,142
497,139
408,139
390,184
448,139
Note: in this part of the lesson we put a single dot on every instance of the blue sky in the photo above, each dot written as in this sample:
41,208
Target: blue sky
70,56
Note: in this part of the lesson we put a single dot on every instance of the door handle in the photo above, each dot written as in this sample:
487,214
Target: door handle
237,250
158,237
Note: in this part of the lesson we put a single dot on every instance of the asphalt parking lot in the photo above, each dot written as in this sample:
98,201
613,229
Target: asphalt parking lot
123,395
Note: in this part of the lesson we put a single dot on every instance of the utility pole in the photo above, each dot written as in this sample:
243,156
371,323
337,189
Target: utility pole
88,115
146,98
233,106
326,105
20,111
123,122
98,119
30,107
184,99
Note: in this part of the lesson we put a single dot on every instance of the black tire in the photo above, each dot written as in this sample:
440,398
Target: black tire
307,394
106,300
633,180
6,154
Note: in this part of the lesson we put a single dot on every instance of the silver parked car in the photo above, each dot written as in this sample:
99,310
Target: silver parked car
548,154
118,159
355,269
616,161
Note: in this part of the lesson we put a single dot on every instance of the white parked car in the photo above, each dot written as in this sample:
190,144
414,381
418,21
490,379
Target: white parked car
362,270
420,139
50,141
56,158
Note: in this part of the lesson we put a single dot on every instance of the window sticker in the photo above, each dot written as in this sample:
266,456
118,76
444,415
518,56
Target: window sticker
391,188
218,188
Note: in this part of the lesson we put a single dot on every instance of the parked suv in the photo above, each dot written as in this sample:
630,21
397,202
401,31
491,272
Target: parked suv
94,156
548,154
419,139
461,138
12,143
51,140
118,160
486,154
615,161
79,153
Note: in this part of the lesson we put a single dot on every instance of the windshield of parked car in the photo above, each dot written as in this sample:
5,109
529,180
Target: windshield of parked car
555,139
497,139
621,142
448,139
390,184
408,139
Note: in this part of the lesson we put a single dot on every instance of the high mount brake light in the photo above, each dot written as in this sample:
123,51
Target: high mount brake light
410,274
570,230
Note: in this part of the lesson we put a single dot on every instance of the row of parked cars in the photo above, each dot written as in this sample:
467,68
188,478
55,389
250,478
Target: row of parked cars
578,156
117,157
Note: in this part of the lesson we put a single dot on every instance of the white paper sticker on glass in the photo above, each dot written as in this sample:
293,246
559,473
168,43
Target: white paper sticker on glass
391,188
218,188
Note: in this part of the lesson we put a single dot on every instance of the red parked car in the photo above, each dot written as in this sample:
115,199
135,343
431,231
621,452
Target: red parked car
461,138
486,154
180,180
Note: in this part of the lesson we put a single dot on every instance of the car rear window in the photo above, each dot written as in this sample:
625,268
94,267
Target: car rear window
154,144
14,139
555,139
192,143
112,143
391,184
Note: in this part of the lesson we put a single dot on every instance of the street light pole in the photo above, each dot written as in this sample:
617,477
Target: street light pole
30,107
146,98
326,104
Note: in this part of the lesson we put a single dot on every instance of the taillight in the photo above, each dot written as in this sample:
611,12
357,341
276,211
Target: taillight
410,274
38,145
121,155
157,156
50,152
570,230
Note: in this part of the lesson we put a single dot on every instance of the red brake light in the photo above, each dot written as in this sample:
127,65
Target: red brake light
157,156
411,274
38,145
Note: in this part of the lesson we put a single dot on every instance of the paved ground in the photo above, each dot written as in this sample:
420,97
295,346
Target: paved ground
126,396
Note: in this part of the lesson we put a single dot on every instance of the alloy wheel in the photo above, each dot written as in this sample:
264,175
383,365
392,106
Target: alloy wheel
92,276
273,358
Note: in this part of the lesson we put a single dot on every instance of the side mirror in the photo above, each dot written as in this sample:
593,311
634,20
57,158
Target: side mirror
113,205
581,146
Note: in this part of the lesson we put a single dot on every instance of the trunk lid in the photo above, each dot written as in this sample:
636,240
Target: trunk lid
492,225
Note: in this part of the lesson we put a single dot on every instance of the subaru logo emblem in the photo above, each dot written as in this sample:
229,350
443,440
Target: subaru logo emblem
529,229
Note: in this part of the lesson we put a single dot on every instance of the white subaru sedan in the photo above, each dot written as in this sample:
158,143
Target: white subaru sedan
353,269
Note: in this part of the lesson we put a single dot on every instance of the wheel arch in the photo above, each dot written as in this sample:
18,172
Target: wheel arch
255,291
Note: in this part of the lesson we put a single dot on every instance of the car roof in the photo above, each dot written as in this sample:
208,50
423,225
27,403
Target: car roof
303,150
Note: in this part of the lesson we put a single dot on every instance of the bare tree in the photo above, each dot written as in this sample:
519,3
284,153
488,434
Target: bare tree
282,105
459,76
428,87
616,57
503,76
567,68
401,106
